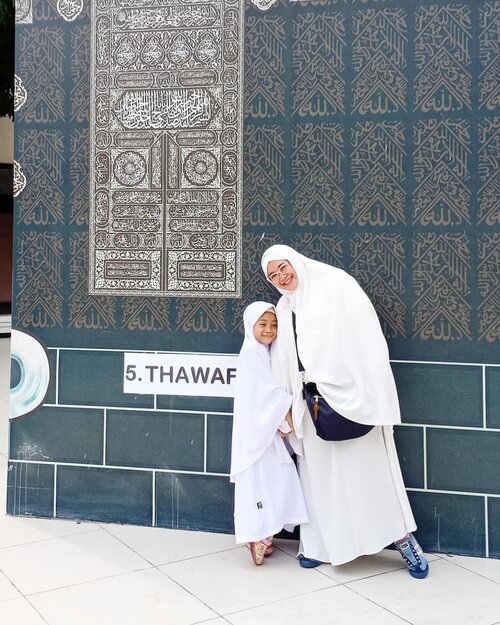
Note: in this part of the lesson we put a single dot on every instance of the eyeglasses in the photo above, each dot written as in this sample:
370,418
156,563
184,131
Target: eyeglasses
273,277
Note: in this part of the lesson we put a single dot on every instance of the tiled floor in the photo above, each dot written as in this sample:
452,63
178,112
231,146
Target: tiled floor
67,573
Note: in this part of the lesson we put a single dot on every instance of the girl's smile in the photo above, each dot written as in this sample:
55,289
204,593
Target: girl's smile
266,328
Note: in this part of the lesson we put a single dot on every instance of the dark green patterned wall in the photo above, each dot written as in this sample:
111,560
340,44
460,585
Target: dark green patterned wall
372,142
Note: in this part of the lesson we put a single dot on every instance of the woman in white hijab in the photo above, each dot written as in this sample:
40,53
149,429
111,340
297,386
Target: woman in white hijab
354,491
268,496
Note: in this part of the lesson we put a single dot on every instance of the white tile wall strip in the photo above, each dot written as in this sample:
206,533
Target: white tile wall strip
119,467
486,528
484,397
205,445
57,376
424,452
470,428
153,500
138,408
437,491
150,351
104,434
54,503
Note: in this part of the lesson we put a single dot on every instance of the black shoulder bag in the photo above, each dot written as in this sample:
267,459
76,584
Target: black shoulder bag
329,424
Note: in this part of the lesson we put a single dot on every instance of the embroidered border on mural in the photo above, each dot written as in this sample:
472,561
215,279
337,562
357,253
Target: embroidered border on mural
166,148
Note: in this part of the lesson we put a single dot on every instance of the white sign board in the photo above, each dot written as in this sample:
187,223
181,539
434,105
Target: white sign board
203,375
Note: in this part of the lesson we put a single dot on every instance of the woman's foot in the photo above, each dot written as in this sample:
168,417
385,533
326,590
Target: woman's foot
258,551
308,563
411,551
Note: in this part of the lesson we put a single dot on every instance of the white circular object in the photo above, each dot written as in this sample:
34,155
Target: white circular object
33,362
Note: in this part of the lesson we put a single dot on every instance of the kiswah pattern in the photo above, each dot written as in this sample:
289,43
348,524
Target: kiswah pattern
165,173
371,141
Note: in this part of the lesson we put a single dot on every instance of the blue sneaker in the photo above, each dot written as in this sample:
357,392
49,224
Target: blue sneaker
411,551
308,563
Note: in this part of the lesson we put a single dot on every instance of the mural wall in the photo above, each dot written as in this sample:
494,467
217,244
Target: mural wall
371,141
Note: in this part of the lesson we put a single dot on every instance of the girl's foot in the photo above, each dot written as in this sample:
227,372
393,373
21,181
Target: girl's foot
268,542
258,550
411,551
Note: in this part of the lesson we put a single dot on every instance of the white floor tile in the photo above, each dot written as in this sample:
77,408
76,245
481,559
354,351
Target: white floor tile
338,606
20,612
229,581
450,595
162,546
482,566
22,530
145,597
60,562
7,589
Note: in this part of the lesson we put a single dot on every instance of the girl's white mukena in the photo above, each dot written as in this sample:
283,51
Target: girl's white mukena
268,495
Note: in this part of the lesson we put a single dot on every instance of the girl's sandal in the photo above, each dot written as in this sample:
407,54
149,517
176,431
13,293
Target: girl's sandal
258,550
268,542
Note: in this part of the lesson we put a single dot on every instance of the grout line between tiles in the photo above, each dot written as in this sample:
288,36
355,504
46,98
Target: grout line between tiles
402,618
465,568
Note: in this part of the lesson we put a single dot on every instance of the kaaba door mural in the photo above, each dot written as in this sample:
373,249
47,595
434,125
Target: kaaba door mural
151,175
166,156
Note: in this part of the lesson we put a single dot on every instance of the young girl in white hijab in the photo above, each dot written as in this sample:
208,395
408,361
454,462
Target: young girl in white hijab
268,496
354,490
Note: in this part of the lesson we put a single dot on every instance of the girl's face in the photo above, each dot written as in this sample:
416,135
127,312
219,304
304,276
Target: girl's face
266,328
282,275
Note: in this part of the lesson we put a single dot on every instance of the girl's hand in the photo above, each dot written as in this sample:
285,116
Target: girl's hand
289,420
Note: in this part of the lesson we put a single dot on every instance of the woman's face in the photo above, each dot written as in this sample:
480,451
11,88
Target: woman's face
282,275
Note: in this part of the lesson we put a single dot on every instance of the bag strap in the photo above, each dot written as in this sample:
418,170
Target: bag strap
294,325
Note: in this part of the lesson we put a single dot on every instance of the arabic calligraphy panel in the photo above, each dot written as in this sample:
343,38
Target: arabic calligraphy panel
377,171
379,60
166,137
442,55
489,286
378,263
489,84
441,276
318,193
442,172
489,171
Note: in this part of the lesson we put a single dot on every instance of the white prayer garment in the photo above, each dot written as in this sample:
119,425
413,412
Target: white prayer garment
354,491
268,496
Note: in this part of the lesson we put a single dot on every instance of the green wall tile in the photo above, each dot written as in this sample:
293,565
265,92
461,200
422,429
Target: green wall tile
440,394
219,430
203,404
50,398
494,526
160,440
95,378
463,460
59,434
449,523
111,495
194,502
30,489
410,446
493,397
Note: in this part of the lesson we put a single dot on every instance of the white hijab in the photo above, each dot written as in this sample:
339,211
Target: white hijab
339,340
260,404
